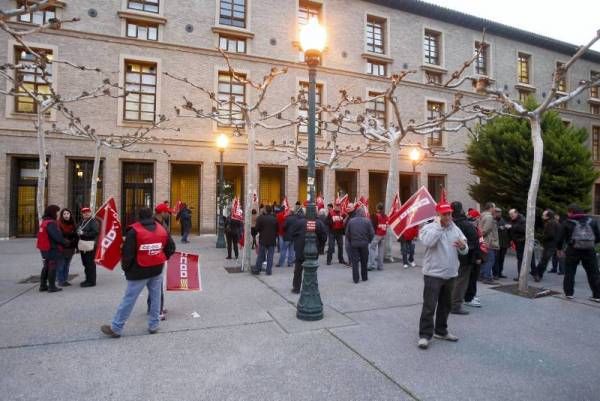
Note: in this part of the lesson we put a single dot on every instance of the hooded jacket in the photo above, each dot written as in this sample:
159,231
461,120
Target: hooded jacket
359,230
441,256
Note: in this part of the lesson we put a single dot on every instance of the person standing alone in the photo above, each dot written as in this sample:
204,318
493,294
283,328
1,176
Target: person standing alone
443,242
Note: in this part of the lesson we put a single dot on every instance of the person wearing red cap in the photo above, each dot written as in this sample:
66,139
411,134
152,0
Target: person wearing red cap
443,242
88,232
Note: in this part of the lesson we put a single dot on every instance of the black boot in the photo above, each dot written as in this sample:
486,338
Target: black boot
52,281
44,278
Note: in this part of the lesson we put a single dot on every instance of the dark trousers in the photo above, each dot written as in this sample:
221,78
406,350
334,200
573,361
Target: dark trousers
333,239
520,250
265,253
360,254
437,299
499,265
232,242
546,257
588,260
89,266
558,263
297,280
48,274
461,284
472,287
253,233
408,251
184,234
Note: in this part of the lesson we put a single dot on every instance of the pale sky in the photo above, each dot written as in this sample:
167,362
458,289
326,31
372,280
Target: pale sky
572,21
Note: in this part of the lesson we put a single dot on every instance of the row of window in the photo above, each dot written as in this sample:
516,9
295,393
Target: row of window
233,13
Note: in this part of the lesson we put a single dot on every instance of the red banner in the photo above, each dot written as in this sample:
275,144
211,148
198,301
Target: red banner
418,209
396,204
110,240
320,202
343,202
364,202
183,272
286,205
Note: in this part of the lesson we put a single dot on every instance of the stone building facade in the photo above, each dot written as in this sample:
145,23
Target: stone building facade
137,42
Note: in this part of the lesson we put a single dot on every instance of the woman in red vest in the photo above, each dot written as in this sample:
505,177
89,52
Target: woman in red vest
50,242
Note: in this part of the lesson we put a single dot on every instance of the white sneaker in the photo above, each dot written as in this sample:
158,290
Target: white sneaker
423,343
477,300
447,337
406,266
473,304
413,264
570,296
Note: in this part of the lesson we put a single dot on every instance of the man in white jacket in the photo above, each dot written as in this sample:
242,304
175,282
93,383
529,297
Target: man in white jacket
443,240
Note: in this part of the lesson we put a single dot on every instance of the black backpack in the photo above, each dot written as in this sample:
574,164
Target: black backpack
583,235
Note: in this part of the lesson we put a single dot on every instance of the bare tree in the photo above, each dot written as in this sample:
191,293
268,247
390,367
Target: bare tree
243,117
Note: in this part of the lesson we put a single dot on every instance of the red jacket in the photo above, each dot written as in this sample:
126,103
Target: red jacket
411,233
280,222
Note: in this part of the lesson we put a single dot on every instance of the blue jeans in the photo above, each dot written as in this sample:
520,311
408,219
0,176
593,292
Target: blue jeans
184,235
487,266
134,288
376,248
62,272
286,246
265,252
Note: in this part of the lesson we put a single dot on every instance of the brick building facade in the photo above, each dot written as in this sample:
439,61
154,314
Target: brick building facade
138,41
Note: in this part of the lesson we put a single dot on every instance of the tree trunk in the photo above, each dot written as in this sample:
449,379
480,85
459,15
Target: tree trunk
250,187
42,172
95,172
538,155
390,191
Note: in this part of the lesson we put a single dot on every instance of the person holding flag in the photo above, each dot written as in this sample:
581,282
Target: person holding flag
87,232
147,247
443,242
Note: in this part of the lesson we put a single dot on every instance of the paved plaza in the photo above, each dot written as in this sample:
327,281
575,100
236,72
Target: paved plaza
239,339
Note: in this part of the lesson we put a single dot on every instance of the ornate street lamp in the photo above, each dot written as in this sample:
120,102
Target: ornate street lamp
416,157
222,142
310,307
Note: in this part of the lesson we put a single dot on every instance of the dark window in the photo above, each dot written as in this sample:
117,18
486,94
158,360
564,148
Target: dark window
375,35
597,199
376,68
142,30
308,10
595,108
596,145
233,13
433,77
562,84
434,111
150,6
523,68
303,108
80,180
140,84
23,199
594,76
232,44
39,17
481,63
230,91
435,184
431,47
35,78
377,108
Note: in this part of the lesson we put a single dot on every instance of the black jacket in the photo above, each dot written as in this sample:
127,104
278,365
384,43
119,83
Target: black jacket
551,232
185,218
359,230
470,232
503,233
128,258
233,227
57,241
266,227
566,232
298,233
288,223
517,229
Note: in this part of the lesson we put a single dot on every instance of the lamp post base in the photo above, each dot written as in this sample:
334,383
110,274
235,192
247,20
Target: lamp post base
310,306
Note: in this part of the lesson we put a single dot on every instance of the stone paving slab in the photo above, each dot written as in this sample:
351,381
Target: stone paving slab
285,316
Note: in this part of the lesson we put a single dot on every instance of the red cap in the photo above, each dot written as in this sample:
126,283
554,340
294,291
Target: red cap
85,210
473,214
162,208
443,208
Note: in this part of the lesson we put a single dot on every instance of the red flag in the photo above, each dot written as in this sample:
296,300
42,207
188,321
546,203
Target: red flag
364,202
110,239
343,202
183,272
286,205
178,207
236,210
320,202
396,204
443,196
416,210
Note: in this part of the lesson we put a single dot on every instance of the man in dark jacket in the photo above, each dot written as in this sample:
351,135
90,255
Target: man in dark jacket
185,220
88,231
359,234
233,231
516,229
266,227
298,234
467,262
504,244
50,242
147,246
580,233
548,242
